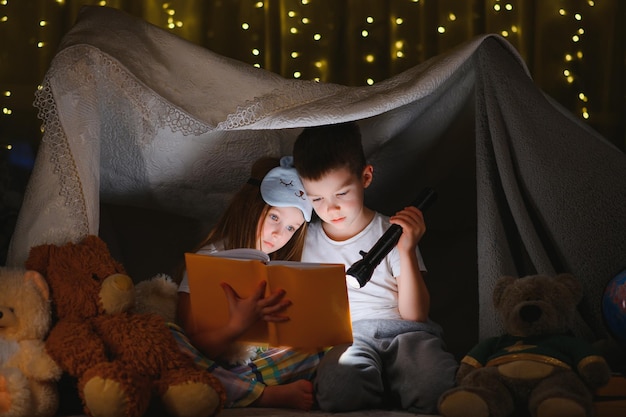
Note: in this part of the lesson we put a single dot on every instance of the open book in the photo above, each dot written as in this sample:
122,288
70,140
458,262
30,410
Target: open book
318,317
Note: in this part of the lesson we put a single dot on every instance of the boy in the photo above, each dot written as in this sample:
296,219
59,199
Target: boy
397,358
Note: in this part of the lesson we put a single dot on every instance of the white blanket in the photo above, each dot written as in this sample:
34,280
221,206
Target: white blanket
136,116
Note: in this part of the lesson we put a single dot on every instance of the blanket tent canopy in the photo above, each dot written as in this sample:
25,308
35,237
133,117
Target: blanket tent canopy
139,118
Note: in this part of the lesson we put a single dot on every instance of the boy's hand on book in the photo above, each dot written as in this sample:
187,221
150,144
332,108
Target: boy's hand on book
244,312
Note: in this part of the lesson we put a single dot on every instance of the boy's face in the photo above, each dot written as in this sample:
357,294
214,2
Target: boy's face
337,199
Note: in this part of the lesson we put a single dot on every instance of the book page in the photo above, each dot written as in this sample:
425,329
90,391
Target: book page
209,306
243,253
319,314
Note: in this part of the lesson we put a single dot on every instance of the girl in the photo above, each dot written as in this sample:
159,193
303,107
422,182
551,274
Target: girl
268,213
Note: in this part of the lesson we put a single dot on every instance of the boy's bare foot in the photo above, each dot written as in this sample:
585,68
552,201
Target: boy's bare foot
297,394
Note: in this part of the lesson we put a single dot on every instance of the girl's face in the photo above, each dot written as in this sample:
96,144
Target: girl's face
276,228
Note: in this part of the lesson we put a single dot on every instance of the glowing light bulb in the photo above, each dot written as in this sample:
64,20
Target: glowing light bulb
575,38
369,58
504,33
400,54
297,74
317,37
568,57
305,20
496,7
578,16
4,18
364,33
293,30
369,19
291,13
294,54
441,29
452,17
399,21
585,113
259,4
508,6
370,81
562,12
245,26
7,93
41,44
42,23
255,51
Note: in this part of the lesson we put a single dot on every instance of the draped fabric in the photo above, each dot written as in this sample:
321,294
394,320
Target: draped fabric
137,117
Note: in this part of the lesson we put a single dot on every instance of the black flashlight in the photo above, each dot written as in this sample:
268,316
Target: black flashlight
361,271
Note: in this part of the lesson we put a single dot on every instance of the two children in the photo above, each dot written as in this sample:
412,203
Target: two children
397,359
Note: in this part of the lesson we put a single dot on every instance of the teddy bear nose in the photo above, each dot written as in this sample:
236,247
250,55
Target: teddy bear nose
530,313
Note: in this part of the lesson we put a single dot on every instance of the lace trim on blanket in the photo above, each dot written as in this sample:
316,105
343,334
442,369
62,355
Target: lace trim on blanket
292,93
61,157
125,104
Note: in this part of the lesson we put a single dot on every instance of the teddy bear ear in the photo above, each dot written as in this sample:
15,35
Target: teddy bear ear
574,286
38,281
38,259
499,288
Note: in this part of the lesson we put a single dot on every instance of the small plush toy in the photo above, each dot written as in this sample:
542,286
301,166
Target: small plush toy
118,359
28,375
158,295
536,366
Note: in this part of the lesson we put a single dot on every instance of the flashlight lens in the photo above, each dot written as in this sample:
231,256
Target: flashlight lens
352,281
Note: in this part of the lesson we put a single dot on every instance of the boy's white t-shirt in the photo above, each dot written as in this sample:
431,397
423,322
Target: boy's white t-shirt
378,299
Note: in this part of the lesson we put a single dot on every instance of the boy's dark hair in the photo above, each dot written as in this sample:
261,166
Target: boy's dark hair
320,149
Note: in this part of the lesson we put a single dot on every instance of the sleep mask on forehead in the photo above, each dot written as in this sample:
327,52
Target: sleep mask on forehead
281,187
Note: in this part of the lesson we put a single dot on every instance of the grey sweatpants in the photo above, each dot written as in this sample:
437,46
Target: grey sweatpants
391,364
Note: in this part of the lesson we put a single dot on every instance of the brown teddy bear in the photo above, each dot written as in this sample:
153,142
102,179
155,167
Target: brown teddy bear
536,366
28,375
118,359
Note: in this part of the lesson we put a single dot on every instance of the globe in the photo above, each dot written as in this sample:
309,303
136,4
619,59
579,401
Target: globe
614,306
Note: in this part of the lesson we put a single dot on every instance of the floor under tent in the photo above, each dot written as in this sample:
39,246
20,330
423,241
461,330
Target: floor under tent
147,136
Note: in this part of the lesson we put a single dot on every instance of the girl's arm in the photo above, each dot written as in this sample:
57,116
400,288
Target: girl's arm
413,295
244,312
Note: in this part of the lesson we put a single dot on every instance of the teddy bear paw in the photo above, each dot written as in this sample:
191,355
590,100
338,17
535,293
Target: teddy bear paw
15,394
105,397
560,407
463,404
206,400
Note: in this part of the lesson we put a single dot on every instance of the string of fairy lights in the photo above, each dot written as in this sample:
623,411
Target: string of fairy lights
307,39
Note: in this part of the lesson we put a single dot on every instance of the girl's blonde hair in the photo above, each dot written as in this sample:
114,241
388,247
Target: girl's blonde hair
237,227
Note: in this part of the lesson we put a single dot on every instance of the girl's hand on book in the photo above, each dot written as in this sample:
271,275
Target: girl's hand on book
244,312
